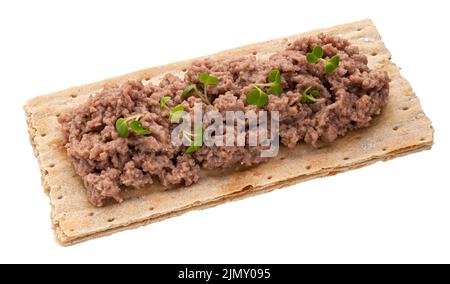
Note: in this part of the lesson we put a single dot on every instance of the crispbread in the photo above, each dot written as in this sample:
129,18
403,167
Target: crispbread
402,128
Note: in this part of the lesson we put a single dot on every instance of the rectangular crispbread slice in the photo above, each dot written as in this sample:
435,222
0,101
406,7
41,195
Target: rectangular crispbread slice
403,128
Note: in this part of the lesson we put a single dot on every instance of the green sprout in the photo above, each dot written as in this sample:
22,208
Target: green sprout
163,102
317,53
260,98
176,113
124,124
196,139
311,96
207,80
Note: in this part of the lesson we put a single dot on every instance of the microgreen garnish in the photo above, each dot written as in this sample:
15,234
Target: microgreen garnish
332,64
207,80
176,113
317,54
197,143
260,98
274,87
311,96
122,127
257,97
189,89
192,149
136,126
132,122
275,79
163,102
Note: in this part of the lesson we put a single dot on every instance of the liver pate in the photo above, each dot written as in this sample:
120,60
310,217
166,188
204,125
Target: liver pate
107,163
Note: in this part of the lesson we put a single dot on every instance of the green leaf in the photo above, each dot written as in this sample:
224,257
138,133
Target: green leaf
176,113
334,60
253,96
312,58
163,102
316,54
136,126
275,76
203,78
315,94
317,51
257,97
307,99
208,80
310,96
189,89
122,127
212,81
329,68
192,149
275,89
263,100
199,134
332,64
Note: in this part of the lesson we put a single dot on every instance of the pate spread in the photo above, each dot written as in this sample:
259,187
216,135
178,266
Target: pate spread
350,97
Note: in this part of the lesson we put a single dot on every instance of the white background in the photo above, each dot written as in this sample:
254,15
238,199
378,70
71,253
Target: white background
390,212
